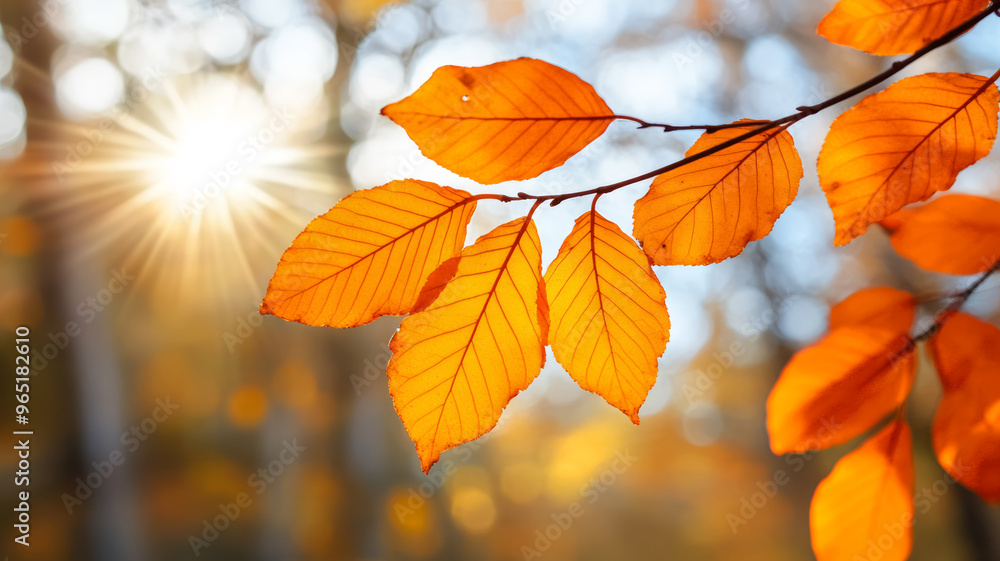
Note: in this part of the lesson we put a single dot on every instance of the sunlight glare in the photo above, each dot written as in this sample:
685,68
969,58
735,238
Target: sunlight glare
198,185
213,147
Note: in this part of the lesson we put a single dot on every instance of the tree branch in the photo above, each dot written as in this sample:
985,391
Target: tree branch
801,113
957,301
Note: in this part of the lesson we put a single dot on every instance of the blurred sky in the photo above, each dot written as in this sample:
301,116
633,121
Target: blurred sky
184,143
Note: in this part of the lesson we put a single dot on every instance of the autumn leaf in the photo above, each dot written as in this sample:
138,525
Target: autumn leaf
609,319
457,363
894,27
864,508
954,234
504,121
709,210
370,255
967,425
847,381
880,307
902,145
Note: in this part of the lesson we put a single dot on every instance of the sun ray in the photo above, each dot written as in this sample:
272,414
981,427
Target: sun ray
194,186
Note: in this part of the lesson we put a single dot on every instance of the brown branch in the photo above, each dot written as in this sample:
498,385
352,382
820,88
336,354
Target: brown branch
957,301
801,113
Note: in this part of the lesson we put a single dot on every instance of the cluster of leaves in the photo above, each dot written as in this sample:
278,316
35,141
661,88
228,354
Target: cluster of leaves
480,317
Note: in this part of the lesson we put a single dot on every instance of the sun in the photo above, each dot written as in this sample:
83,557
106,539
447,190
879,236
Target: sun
219,142
197,184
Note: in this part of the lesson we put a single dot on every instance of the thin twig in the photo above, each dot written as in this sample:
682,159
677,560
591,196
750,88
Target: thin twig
957,301
707,128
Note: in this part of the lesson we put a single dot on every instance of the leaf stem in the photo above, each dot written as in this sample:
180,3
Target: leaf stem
801,113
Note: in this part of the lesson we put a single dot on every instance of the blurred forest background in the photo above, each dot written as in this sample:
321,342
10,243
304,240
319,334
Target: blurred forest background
157,156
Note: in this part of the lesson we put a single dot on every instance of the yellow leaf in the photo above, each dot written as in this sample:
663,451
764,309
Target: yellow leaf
457,363
864,508
710,209
894,27
504,121
904,144
370,255
609,319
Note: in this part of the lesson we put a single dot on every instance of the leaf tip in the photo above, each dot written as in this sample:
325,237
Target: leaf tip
778,448
822,29
779,442
782,446
390,110
842,238
428,457
265,308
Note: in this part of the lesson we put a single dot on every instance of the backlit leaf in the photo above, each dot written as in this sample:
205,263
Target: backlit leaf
881,307
902,145
609,319
847,381
954,234
967,424
370,255
864,508
894,27
710,209
838,388
457,363
504,121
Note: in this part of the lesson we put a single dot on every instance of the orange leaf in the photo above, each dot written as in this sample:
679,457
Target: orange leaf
881,307
954,234
457,364
902,145
967,424
370,255
894,27
864,508
710,209
838,388
843,384
609,319
504,121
